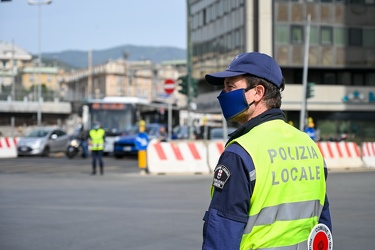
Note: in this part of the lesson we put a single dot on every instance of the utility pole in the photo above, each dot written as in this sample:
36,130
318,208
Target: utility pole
189,67
39,4
302,120
13,73
89,77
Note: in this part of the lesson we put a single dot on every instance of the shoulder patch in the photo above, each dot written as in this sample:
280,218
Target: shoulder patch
221,176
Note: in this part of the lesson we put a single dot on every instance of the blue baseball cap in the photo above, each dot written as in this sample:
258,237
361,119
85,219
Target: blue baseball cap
253,63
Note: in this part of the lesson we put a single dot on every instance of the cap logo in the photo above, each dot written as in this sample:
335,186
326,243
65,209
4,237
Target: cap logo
234,59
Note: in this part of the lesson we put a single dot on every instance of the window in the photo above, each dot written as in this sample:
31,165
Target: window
369,37
355,37
340,36
358,79
326,37
282,34
314,35
345,78
371,79
329,78
296,34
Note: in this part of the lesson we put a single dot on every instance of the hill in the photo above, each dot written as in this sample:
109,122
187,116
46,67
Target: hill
79,59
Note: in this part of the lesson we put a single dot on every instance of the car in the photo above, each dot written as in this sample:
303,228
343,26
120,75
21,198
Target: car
126,144
213,133
218,133
182,132
43,141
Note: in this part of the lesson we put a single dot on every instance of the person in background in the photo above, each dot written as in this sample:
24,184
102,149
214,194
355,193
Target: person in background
162,134
97,139
310,130
269,185
83,137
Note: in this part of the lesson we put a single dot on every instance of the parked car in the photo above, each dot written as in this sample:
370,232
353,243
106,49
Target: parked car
182,132
42,141
218,133
213,133
125,144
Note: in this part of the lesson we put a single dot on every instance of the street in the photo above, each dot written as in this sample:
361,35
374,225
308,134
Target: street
54,203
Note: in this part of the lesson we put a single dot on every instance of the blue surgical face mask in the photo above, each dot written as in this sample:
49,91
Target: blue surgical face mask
233,102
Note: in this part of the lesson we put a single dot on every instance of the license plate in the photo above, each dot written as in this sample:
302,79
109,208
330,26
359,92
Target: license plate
23,148
127,148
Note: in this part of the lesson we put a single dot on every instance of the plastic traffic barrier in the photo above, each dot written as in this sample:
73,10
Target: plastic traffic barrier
214,148
8,147
177,157
368,154
341,154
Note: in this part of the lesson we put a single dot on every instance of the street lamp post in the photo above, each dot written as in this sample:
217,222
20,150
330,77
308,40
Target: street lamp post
39,4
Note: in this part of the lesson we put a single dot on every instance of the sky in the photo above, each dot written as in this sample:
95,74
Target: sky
93,24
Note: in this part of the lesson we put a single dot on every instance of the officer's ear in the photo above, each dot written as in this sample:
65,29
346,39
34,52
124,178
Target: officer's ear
260,90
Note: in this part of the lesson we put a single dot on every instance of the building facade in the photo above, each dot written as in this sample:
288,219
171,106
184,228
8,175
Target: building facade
341,55
20,79
12,59
120,77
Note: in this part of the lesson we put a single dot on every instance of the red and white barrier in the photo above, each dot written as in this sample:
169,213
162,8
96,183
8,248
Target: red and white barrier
8,147
215,148
202,157
368,154
341,154
177,157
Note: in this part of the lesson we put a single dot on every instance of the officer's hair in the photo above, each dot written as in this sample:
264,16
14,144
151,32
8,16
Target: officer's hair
272,95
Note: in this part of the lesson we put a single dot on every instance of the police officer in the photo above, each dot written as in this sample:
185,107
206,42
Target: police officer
269,186
97,139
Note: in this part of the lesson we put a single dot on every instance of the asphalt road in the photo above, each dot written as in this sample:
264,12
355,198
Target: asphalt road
54,203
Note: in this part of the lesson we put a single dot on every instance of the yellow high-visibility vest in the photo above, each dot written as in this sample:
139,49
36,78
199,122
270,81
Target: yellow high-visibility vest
290,187
97,139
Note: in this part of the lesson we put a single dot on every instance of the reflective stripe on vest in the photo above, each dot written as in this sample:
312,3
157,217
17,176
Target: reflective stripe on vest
300,246
284,212
289,192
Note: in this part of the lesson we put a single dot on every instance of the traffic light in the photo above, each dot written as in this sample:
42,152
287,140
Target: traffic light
310,90
194,87
183,84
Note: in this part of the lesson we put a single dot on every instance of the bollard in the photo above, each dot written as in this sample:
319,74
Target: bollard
141,142
142,159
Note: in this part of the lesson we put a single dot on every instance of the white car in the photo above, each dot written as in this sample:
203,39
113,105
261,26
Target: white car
42,141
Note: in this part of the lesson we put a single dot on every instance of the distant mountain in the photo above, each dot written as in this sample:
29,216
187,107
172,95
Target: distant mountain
79,59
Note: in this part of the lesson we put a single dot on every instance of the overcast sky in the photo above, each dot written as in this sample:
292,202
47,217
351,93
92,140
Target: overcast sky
93,24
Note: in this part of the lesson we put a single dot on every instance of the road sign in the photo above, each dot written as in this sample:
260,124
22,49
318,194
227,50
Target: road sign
141,141
169,86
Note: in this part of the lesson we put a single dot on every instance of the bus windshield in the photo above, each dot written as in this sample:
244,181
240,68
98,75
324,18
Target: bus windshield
114,119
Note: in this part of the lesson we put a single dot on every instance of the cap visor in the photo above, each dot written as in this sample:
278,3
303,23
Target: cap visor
218,77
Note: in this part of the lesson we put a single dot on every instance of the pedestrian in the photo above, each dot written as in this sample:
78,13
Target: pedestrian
83,137
97,139
269,185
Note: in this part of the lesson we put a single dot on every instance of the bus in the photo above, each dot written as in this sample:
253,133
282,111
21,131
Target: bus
119,114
